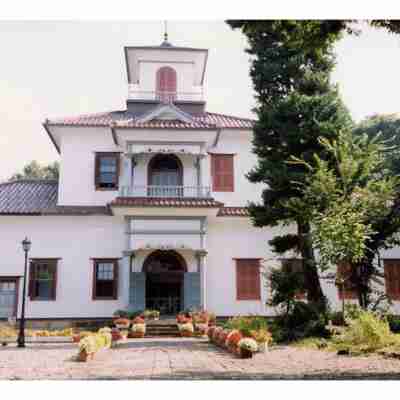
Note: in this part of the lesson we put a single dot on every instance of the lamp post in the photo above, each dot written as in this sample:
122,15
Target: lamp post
26,245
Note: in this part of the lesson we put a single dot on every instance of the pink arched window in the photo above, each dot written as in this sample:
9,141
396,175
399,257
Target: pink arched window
166,85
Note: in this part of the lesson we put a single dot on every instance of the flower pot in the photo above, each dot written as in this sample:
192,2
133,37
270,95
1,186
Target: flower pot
262,347
76,338
135,335
186,334
244,353
83,356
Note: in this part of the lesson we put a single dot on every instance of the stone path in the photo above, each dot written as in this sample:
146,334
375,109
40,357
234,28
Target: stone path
187,359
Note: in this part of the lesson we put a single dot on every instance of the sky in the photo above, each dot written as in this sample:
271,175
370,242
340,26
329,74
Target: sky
55,69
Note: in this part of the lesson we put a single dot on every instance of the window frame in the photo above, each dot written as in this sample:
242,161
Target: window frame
97,174
216,187
96,262
255,294
32,265
14,279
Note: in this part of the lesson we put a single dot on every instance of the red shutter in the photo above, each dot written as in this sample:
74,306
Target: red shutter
222,172
346,291
392,278
166,84
248,279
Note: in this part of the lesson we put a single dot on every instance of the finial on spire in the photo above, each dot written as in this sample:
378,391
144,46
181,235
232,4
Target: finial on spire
165,43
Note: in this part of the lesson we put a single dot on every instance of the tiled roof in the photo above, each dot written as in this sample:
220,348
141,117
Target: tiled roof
124,119
39,197
164,202
233,212
27,197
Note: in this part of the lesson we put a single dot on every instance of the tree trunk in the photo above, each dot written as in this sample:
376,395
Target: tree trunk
311,278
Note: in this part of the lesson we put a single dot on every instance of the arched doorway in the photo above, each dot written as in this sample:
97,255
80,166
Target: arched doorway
164,271
165,176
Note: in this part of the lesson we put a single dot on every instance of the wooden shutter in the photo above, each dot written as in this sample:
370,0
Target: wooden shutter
222,172
248,279
166,84
392,278
346,291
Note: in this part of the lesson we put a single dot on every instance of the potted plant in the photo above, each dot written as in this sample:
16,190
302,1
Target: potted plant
186,329
87,348
210,332
263,338
138,320
212,319
122,323
247,347
233,340
116,334
201,328
137,331
216,333
153,315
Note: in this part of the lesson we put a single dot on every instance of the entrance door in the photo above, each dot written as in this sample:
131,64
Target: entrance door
8,297
164,281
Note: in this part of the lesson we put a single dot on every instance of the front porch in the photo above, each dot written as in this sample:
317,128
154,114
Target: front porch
166,263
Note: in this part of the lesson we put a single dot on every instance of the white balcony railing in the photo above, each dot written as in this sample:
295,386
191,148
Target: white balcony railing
166,191
163,96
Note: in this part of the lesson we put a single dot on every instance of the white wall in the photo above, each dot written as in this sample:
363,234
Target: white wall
75,240
78,148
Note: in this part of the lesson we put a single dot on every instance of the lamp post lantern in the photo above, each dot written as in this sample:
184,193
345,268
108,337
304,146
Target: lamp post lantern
26,246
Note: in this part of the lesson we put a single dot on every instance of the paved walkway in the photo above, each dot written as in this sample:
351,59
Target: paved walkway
187,359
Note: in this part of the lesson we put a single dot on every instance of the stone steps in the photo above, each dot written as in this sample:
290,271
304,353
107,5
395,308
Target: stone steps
162,329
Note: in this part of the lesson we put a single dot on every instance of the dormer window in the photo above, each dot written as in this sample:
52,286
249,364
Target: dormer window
166,85
107,171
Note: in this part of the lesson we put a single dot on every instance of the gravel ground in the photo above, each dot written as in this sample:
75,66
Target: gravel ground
187,359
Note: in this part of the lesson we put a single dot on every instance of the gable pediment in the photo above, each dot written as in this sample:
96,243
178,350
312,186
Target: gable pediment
166,112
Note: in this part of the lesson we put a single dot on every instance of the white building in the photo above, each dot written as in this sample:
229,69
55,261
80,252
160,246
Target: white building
149,210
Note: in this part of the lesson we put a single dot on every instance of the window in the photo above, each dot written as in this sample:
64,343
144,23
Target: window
43,279
107,171
222,172
105,279
166,85
392,278
346,291
248,279
294,265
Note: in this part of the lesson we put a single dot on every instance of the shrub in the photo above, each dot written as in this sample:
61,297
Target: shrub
186,327
138,320
95,342
233,338
304,320
140,328
366,333
248,344
247,324
262,336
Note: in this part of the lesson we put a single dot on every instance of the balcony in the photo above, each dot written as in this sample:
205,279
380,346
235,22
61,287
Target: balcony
163,96
178,192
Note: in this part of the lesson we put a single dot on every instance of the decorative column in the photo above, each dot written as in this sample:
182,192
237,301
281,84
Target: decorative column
126,176
127,262
201,268
197,164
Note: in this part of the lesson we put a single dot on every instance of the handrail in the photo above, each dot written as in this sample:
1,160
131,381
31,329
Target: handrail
160,191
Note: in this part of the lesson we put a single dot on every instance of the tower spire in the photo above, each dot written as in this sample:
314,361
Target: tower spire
165,43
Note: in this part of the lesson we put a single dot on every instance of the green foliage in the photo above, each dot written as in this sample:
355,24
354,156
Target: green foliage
366,333
284,287
245,325
304,320
34,170
296,105
343,195
95,342
388,127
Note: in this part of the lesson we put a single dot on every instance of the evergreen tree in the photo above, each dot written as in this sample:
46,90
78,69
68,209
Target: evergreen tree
296,105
